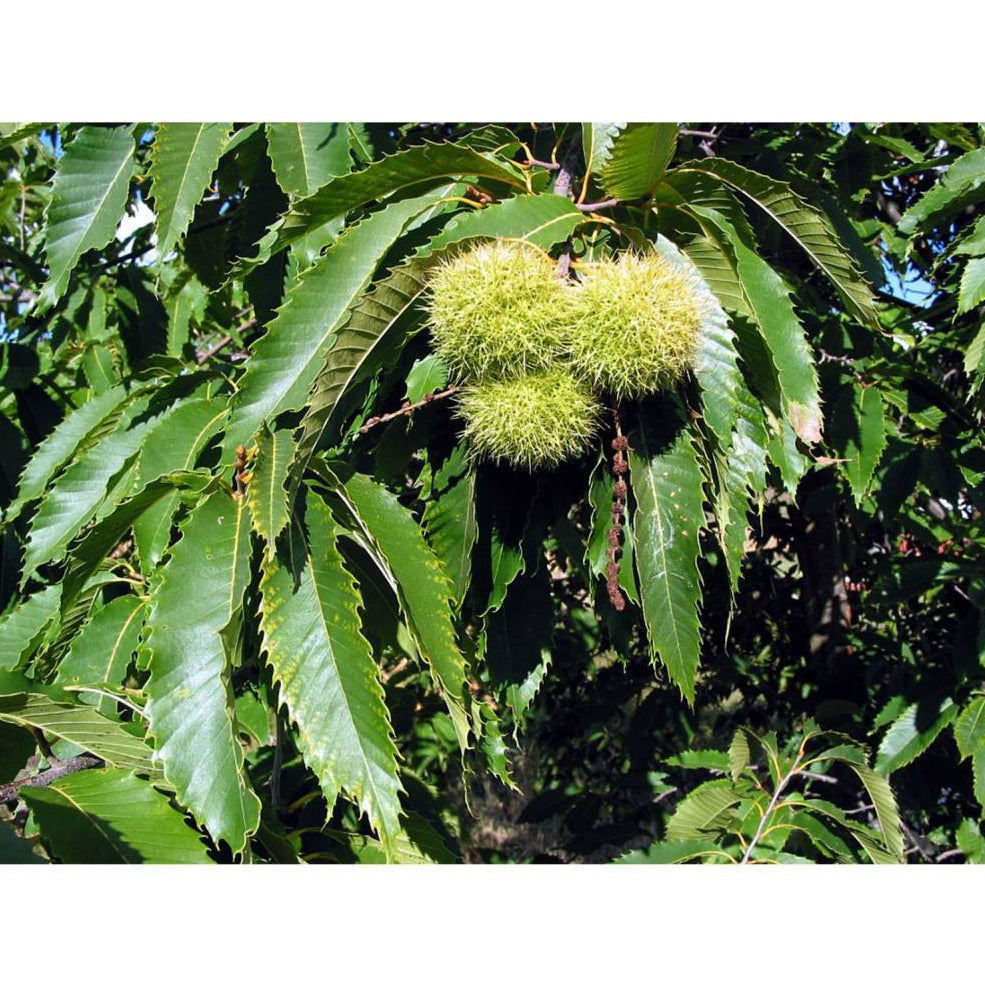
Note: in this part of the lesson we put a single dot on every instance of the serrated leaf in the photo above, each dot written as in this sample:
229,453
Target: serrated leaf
859,435
542,220
639,157
88,198
422,588
697,813
193,598
738,754
969,729
972,290
808,226
101,652
171,446
667,483
306,156
978,775
326,673
81,725
111,816
912,733
22,627
426,376
267,497
673,852
78,494
450,522
961,183
59,446
974,357
183,158
596,143
286,361
700,759
418,168
884,802
769,300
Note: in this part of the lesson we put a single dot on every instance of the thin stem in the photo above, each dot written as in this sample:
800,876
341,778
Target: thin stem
407,409
62,767
771,807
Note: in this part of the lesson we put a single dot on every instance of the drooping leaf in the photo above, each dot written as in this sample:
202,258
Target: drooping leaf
667,483
860,435
193,599
972,290
769,300
912,733
101,652
23,626
638,159
738,754
62,443
171,446
267,497
183,158
306,156
884,802
111,816
81,725
969,729
287,359
421,585
808,226
326,674
596,143
450,522
88,197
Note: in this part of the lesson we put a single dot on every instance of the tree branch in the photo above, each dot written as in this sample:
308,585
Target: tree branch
407,409
59,769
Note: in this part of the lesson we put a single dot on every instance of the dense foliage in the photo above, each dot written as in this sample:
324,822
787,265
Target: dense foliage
262,600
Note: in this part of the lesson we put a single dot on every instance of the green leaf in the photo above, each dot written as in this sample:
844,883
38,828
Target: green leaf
974,357
699,811
672,852
101,652
600,486
267,497
171,446
912,733
962,183
81,725
596,143
22,627
79,493
450,522
884,802
978,775
769,300
808,226
193,598
639,157
306,156
111,816
326,673
59,446
15,850
418,168
738,754
88,197
667,483
421,585
973,243
543,220
426,376
969,729
858,423
972,290
287,359
183,158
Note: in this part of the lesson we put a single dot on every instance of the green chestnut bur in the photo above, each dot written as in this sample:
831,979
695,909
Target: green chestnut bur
637,324
531,422
498,310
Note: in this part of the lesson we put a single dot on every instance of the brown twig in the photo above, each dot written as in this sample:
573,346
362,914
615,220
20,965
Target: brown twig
202,357
407,408
607,203
59,769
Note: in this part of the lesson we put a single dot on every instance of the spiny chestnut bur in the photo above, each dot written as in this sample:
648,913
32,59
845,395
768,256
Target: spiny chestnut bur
497,311
534,421
637,324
